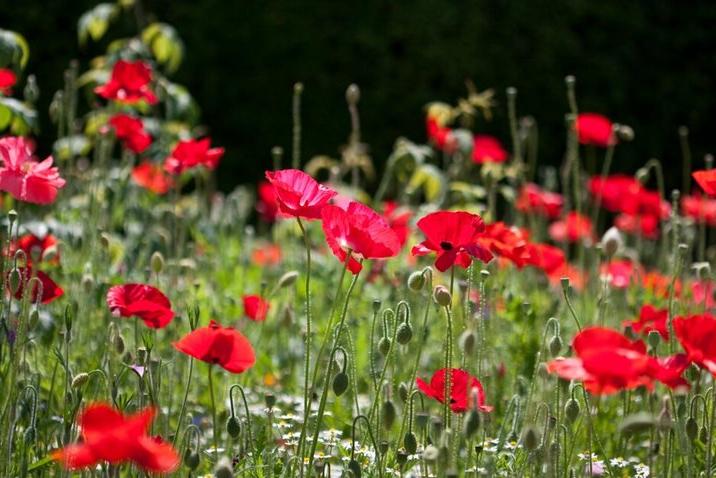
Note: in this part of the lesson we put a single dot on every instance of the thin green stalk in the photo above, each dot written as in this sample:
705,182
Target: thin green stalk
307,358
183,403
213,412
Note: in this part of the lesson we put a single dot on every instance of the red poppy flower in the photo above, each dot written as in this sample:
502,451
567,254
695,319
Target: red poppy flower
34,246
620,273
577,277
614,191
143,301
219,345
608,362
658,284
707,180
488,149
594,129
398,219
360,230
573,228
697,335
130,131
535,200
129,83
191,153
546,257
640,225
8,78
267,204
701,209
110,436
441,136
702,293
268,255
152,177
255,307
462,385
25,178
650,318
454,236
48,288
298,194
507,242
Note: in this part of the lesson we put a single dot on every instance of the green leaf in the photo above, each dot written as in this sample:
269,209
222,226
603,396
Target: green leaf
94,23
165,44
40,463
14,49
431,181
72,146
5,117
24,118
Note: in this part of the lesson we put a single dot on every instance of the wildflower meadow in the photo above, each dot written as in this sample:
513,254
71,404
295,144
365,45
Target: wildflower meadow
455,311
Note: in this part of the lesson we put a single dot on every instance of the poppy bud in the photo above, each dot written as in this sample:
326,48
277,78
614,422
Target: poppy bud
451,473
87,282
233,426
571,410
416,281
118,343
403,392
105,240
402,457
191,459
625,133
79,380
15,278
564,281
703,435
653,338
472,423
157,262
224,469
288,279
12,216
555,345
29,435
692,428
410,442
142,355
376,305
354,467
530,438
389,413
340,383
543,373
269,399
430,454
353,94
31,92
384,345
318,466
404,333
467,342
441,295
611,242
421,420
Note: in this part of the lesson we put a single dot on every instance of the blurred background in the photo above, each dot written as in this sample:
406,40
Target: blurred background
649,64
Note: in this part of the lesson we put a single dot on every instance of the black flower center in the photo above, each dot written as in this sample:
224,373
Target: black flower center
446,246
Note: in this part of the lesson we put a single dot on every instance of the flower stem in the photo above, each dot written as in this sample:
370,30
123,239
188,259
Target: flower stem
213,412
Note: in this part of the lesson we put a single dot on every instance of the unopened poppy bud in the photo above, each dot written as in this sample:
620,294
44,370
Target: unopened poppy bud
15,278
472,423
87,282
224,469
157,262
340,383
402,457
467,342
404,333
353,94
104,240
611,242
12,216
625,133
530,438
233,426
403,392
191,459
79,380
451,473
430,454
564,281
29,435
421,420
383,447
555,345
118,343
410,442
142,355
384,346
653,338
441,295
692,428
31,92
416,281
703,435
288,279
376,305
571,410
269,400
388,414
542,370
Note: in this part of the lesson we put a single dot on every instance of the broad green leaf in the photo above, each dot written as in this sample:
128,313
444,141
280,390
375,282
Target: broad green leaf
24,118
5,117
95,22
166,46
72,146
14,49
431,181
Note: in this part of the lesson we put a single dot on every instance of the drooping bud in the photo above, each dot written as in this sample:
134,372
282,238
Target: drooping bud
441,296
555,345
625,133
472,423
79,380
223,468
416,281
467,342
288,279
404,333
571,410
157,262
692,428
530,438
233,426
403,392
191,459
384,345
388,414
353,94
410,442
340,383
611,242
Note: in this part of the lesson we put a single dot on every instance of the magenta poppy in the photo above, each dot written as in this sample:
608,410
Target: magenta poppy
25,178
298,194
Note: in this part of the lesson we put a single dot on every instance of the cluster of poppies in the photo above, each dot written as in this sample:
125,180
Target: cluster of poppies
129,85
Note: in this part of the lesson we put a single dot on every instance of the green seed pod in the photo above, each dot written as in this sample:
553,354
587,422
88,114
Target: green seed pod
384,346
269,399
410,442
191,459
571,410
416,281
530,438
233,426
692,428
340,383
441,296
403,392
376,305
79,380
404,334
555,345
472,423
653,339
157,262
354,467
14,279
389,413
